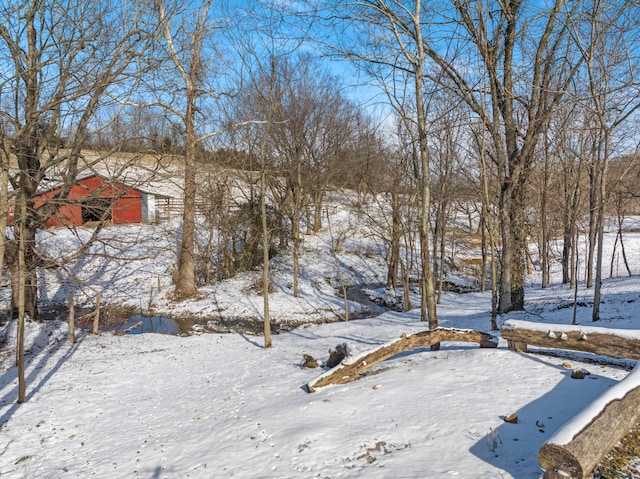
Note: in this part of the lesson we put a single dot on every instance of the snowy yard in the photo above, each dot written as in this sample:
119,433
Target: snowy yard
219,405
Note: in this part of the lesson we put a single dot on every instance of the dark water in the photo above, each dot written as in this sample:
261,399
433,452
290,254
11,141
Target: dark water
358,294
156,324
139,324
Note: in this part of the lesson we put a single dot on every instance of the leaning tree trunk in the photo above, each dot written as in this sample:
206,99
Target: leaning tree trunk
351,368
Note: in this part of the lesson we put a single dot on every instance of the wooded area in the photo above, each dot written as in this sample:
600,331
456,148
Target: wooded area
518,117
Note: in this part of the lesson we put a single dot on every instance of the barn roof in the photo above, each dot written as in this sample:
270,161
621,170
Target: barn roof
51,184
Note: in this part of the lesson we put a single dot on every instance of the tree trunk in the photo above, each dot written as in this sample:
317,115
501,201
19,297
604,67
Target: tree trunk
22,279
567,247
295,237
24,282
191,75
209,252
296,262
394,254
317,211
624,253
612,262
594,179
600,225
4,204
544,226
307,213
265,257
483,248
441,255
571,200
488,229
406,287
348,371
518,259
614,343
575,259
186,282
504,293
428,302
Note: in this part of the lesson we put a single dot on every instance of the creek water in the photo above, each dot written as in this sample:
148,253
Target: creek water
140,324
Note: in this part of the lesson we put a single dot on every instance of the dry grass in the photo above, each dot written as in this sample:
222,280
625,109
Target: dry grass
623,461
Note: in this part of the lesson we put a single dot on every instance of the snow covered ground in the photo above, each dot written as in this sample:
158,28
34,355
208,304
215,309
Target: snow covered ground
219,405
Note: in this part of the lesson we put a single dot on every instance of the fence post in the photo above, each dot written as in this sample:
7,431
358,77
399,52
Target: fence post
72,334
96,317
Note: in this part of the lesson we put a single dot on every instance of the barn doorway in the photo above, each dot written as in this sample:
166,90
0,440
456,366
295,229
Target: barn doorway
96,209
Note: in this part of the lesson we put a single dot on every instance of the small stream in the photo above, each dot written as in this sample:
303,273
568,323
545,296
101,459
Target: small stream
139,324
358,294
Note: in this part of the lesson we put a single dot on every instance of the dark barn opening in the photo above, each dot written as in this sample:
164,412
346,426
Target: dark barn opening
96,209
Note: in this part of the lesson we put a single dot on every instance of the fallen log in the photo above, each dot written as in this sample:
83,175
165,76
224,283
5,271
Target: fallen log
615,343
351,368
578,446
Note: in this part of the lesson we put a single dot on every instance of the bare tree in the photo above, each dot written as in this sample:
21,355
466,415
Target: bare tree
606,38
392,44
569,138
84,62
63,62
390,215
622,189
259,109
257,101
317,134
494,36
188,61
446,140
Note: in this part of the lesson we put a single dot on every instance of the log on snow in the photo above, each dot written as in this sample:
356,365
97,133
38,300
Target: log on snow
615,343
351,368
578,446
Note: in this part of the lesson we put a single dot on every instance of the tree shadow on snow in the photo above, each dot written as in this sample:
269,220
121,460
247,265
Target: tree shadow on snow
251,341
514,448
33,370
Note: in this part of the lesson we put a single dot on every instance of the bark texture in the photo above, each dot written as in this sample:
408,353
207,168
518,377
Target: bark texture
590,340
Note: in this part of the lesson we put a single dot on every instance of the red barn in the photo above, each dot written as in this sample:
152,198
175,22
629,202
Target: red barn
94,197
